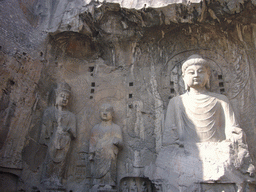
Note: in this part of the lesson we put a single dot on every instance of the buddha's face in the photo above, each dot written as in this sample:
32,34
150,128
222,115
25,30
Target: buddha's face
106,112
196,76
62,98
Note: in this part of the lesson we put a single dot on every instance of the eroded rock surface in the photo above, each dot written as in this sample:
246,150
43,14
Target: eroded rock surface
128,54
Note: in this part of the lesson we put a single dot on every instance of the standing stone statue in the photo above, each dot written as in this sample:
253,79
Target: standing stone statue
58,129
105,143
200,116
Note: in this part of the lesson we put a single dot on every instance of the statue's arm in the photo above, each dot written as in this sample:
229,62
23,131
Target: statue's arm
232,128
118,138
92,143
72,126
47,127
237,136
171,125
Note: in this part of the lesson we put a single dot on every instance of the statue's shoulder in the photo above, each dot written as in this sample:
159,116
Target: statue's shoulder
49,113
71,114
96,127
50,109
174,102
176,98
116,127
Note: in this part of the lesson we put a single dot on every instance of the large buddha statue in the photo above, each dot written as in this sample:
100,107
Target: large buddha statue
200,115
202,141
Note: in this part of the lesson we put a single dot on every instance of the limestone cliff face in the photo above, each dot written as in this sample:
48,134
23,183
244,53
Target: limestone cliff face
124,52
66,15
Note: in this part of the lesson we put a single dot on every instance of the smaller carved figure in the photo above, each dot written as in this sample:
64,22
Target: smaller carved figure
105,143
144,187
158,187
125,187
58,129
134,188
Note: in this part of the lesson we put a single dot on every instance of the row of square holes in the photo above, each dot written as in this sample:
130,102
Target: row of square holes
172,90
130,85
221,84
91,69
92,89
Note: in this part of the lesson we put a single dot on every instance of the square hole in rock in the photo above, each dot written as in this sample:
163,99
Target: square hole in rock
221,84
91,69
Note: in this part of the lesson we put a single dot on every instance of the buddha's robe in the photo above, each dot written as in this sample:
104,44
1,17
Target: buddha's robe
207,118
199,118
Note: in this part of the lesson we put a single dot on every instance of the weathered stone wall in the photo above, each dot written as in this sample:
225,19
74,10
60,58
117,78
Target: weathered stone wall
127,53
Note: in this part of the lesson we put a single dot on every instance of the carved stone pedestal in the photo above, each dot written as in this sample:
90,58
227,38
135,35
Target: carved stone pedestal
202,166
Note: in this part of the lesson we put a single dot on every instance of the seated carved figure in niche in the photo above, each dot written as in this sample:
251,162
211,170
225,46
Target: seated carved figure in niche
105,143
58,129
125,188
201,116
134,187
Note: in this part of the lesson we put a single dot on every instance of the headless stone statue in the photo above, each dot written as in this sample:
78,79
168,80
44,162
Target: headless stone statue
58,129
206,120
105,143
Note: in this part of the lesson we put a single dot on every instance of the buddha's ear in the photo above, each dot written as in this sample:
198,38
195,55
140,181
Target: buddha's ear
208,85
56,92
186,86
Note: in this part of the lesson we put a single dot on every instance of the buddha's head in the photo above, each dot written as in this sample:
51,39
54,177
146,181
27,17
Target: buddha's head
63,92
196,72
106,112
